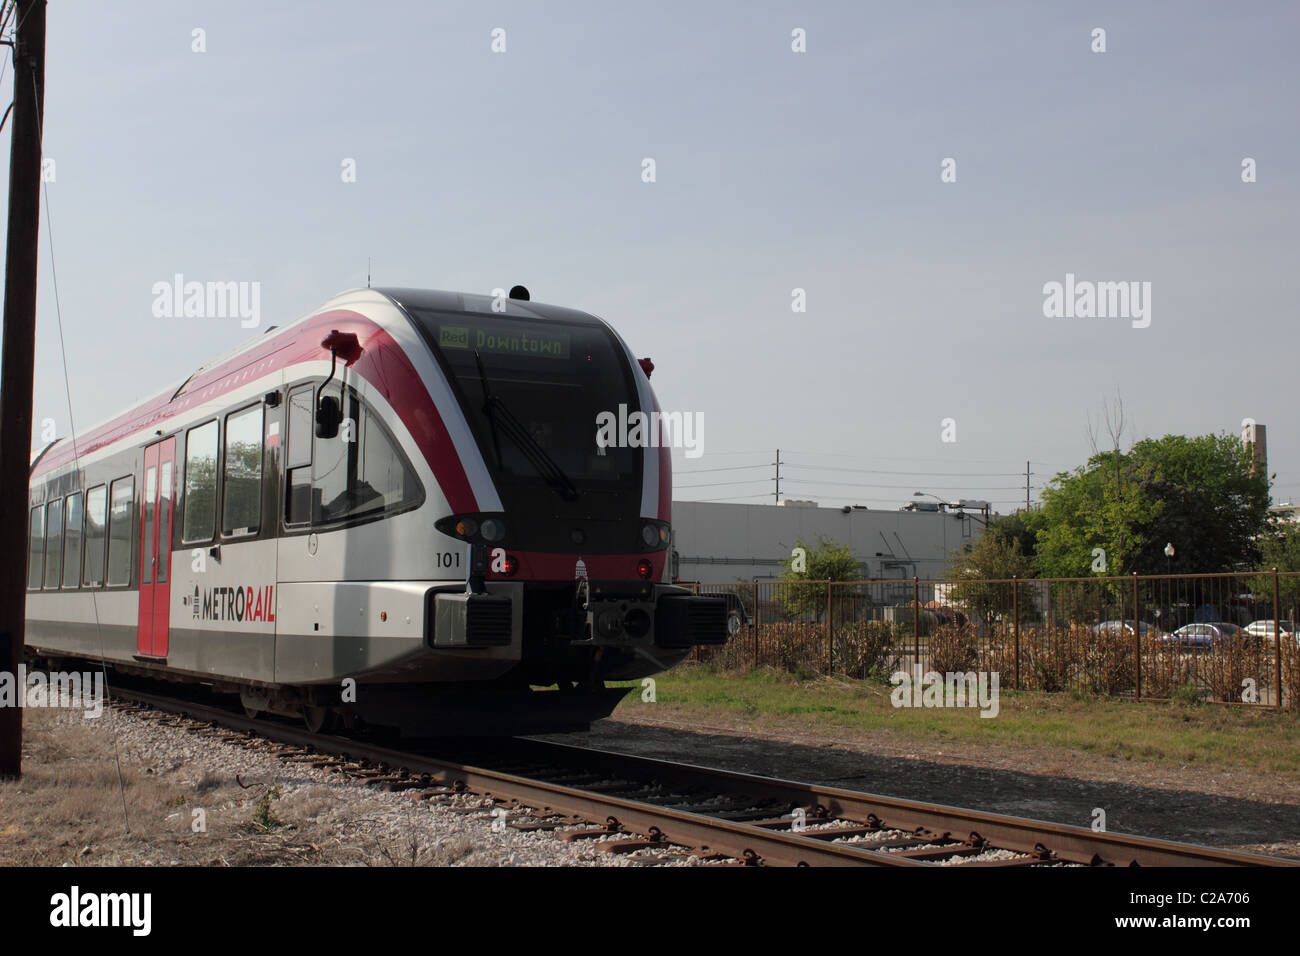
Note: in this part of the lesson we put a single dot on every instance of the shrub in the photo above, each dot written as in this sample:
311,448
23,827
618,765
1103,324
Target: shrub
953,650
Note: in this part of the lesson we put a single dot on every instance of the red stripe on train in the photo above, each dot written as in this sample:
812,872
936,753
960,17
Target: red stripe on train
383,364
548,566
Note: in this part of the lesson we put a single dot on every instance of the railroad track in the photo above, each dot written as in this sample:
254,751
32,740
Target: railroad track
628,804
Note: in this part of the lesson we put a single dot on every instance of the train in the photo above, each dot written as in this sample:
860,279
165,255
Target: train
393,512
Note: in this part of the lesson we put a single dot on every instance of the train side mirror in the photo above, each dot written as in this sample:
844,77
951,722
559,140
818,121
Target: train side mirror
329,414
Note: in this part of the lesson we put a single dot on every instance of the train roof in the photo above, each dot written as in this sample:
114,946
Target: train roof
406,300
434,300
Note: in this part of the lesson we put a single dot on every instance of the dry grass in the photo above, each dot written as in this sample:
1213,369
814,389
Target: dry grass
67,809
1052,659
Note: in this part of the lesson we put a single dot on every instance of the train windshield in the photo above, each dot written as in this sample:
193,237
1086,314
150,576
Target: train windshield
532,390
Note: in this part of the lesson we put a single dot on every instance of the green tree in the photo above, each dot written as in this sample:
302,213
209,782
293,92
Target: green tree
1199,494
1279,547
997,556
827,561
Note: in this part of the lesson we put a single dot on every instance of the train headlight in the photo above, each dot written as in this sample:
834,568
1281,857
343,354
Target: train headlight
664,535
466,527
650,535
492,530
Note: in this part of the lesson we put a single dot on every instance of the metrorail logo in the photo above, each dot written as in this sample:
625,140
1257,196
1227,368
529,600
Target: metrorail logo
234,604
639,430
65,690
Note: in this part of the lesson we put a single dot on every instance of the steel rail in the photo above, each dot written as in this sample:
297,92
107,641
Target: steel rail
671,827
766,842
1065,842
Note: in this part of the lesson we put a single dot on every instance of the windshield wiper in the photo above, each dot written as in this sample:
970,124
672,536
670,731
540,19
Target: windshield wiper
499,416
487,407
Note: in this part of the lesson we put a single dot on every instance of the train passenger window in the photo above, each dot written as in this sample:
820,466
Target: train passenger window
54,543
199,522
35,547
241,503
297,459
146,516
119,532
96,536
72,541
164,519
300,428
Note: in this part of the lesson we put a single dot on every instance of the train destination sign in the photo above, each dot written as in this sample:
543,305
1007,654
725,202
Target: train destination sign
528,344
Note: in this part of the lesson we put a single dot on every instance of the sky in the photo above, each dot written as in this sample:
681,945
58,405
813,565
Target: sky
922,360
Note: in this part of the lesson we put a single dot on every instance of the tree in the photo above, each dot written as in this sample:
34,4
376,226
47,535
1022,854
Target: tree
1199,494
1279,547
998,555
827,561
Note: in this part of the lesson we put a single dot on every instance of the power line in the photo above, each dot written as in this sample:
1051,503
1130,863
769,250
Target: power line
718,484
700,471
849,484
924,474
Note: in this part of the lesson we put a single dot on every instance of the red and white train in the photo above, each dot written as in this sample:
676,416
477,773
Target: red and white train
394,509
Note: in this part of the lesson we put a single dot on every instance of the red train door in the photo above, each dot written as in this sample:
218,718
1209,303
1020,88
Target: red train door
155,549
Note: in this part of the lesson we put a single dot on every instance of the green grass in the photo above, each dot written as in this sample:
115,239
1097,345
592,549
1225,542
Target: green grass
1209,735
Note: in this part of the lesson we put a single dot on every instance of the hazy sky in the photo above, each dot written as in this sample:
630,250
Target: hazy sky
775,170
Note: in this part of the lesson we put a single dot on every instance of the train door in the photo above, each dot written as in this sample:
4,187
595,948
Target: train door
155,549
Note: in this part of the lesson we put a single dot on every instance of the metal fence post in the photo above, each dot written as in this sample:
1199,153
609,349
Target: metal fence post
830,630
1277,641
1137,635
758,604
916,620
1015,612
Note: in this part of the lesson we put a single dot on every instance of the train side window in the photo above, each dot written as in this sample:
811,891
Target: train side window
297,460
164,519
360,472
96,535
241,503
72,541
383,468
199,522
53,543
35,547
119,532
334,462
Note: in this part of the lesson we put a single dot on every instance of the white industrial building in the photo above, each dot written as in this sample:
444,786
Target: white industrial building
721,543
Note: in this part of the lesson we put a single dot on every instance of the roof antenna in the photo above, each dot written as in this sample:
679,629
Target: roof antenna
367,272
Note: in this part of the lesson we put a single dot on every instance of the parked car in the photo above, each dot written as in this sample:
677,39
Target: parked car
1126,627
737,616
1264,628
1204,635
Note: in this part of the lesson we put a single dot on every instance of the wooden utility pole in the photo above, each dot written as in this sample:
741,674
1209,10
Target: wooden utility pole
16,361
